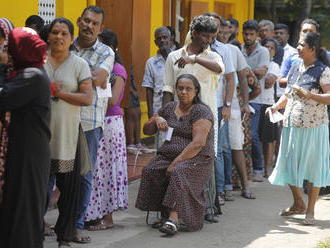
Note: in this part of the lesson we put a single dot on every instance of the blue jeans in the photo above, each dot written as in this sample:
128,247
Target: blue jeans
93,137
223,164
258,166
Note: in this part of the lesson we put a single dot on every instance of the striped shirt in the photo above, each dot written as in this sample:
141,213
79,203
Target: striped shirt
97,56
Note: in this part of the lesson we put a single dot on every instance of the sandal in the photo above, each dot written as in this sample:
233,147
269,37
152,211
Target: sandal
170,227
63,244
157,224
49,231
291,211
81,239
247,194
229,196
308,221
102,225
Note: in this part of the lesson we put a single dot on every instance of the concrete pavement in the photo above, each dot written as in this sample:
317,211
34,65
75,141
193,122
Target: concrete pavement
244,224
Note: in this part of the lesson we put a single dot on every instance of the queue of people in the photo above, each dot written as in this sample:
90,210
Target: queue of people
210,103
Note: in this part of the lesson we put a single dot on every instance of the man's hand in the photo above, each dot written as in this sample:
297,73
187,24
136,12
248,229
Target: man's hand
183,61
283,82
246,109
226,113
270,80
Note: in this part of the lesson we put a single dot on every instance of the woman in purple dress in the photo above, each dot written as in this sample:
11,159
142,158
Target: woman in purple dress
110,181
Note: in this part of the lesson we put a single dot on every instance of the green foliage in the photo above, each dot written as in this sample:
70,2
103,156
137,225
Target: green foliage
325,244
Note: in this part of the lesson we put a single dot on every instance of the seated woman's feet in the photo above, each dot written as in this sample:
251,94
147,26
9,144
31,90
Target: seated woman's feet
170,227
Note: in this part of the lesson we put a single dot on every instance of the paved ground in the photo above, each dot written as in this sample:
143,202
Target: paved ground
245,223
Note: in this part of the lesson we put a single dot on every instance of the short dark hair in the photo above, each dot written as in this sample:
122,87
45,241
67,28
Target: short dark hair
44,33
95,9
213,14
171,30
312,22
236,43
203,23
234,22
251,24
282,26
65,21
36,20
161,29
266,40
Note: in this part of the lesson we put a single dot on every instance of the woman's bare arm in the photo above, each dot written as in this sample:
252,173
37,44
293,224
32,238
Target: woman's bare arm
116,90
84,96
201,129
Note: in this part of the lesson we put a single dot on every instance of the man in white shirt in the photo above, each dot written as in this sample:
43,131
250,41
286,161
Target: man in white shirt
282,36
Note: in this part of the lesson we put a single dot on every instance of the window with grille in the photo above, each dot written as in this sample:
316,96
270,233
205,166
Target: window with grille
47,10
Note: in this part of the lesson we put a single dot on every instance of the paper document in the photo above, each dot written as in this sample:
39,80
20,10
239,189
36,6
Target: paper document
275,117
102,93
252,110
166,136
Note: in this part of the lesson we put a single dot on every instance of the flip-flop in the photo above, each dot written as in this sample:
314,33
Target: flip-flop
308,221
64,244
291,211
48,231
102,225
229,196
78,238
247,194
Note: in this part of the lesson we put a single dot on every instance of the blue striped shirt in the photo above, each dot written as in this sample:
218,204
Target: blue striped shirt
97,56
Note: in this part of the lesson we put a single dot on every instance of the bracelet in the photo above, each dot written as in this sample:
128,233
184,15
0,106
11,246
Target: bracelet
193,57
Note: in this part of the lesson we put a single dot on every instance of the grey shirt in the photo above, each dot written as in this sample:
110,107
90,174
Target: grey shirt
257,59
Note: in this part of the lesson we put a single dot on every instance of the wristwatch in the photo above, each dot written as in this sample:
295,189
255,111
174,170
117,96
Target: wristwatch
227,104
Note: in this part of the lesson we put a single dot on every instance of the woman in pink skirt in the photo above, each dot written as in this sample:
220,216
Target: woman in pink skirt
110,181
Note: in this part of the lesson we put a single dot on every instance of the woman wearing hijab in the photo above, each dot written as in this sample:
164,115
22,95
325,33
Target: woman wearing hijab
5,27
27,96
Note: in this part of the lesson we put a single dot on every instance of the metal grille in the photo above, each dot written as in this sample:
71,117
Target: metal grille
47,10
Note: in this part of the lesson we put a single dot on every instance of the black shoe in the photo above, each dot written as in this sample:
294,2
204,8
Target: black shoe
211,218
217,205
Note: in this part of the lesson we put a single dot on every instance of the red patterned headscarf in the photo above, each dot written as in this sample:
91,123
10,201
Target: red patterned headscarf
26,48
6,26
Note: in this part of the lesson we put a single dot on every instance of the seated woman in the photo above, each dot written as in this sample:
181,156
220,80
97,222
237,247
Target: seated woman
174,180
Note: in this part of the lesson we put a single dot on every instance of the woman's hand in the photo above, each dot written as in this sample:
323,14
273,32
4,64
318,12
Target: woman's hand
271,109
301,92
161,123
58,86
3,57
